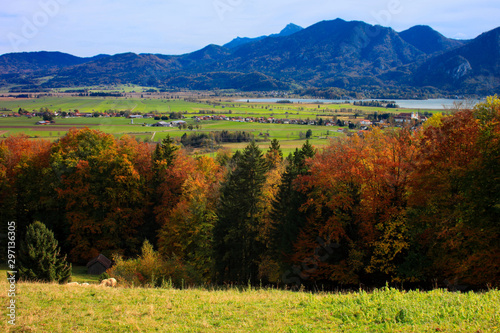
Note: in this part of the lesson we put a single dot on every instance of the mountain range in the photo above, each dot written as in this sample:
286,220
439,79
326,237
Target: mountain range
350,55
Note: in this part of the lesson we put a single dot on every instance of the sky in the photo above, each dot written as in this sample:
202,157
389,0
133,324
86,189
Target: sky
89,27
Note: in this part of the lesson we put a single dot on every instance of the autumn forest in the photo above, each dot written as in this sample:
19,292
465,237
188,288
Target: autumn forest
409,207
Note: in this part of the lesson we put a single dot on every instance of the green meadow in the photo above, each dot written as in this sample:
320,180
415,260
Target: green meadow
50,307
290,136
99,104
42,307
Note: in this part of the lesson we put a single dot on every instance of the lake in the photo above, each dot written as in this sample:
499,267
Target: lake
429,104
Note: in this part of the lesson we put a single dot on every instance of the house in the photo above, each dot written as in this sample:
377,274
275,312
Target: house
403,118
162,124
406,117
98,265
178,122
365,122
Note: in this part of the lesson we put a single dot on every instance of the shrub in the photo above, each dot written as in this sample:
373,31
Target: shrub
151,270
103,276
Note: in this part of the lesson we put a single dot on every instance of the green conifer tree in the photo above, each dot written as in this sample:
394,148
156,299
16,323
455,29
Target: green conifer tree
39,258
286,213
236,246
274,155
165,151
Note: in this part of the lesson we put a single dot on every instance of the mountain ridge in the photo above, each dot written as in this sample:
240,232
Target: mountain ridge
334,53
39,60
290,29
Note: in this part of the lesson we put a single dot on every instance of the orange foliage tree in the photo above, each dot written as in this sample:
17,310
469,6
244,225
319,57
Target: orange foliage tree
456,196
102,193
186,232
26,182
357,199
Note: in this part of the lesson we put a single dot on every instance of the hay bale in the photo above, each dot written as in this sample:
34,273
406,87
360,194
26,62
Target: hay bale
111,282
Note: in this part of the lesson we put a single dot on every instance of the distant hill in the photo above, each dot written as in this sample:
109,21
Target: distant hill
239,41
27,62
287,31
204,59
290,29
429,40
326,52
349,55
146,69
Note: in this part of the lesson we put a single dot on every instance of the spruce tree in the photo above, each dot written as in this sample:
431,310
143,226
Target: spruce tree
274,155
163,158
38,256
165,151
286,214
237,249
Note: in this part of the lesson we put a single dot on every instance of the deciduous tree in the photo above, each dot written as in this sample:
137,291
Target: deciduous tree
186,233
102,193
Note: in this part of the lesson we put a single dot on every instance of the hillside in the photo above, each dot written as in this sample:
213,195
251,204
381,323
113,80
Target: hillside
474,66
429,40
326,53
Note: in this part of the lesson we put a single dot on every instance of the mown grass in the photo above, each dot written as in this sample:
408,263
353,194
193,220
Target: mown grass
63,308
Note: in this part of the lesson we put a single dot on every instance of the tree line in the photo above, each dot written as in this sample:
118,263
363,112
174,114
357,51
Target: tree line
198,140
412,207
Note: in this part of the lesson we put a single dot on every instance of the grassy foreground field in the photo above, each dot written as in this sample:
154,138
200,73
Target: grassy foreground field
64,308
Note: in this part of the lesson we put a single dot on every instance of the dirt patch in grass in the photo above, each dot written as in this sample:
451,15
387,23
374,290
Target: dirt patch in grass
10,98
80,125
46,128
54,128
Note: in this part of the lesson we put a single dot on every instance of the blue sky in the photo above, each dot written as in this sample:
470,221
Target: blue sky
90,27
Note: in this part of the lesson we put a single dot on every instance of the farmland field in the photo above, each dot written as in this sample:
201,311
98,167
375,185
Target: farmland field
289,135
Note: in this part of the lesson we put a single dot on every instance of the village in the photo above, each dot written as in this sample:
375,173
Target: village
397,120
